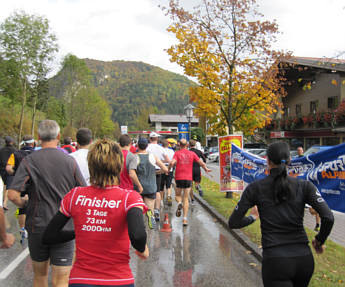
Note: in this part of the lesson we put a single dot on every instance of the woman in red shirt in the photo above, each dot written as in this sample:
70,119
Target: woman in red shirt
106,219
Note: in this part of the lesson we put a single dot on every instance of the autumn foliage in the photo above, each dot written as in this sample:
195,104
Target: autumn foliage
227,49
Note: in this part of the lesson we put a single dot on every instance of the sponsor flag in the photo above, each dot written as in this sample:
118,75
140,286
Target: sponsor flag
325,169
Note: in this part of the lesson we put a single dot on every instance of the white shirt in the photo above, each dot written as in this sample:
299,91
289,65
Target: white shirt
158,151
198,146
170,154
81,158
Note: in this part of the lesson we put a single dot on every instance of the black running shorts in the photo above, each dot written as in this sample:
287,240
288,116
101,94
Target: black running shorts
149,195
166,181
197,177
183,183
158,181
59,254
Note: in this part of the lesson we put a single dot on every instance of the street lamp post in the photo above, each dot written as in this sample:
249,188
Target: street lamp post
189,113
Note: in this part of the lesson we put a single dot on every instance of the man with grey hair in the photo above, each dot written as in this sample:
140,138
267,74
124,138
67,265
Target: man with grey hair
47,175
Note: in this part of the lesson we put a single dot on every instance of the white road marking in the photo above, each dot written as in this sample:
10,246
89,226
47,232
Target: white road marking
14,264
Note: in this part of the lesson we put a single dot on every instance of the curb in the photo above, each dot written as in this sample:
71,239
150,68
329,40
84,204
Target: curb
238,234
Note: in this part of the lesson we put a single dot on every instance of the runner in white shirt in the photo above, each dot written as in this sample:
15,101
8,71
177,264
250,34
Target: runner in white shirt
161,154
167,178
84,140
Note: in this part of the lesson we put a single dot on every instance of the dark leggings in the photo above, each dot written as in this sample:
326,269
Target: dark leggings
287,271
88,285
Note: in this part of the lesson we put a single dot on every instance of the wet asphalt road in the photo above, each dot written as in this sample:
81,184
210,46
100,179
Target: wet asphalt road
202,254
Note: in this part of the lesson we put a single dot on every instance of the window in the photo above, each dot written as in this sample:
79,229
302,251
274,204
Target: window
313,106
332,102
286,111
298,110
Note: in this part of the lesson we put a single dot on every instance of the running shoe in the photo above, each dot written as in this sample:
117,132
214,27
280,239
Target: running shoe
192,202
151,220
23,235
169,201
157,215
185,222
178,210
201,193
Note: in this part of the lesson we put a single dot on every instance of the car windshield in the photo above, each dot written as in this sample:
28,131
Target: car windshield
213,149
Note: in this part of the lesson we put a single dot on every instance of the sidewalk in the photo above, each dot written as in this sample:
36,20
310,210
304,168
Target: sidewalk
338,232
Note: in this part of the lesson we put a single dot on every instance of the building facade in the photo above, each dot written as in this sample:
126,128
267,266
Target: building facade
314,106
170,122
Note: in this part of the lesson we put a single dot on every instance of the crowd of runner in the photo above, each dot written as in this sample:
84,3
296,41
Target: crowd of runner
91,182
107,187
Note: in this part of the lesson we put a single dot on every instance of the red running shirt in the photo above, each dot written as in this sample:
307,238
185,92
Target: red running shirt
125,180
184,164
101,232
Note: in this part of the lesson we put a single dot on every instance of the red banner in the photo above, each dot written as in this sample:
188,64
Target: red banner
224,144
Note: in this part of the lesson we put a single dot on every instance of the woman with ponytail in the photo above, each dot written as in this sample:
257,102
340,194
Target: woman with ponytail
280,201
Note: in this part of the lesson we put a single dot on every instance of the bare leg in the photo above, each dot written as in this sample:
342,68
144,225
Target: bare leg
40,273
60,275
186,192
150,203
21,220
169,191
178,197
5,197
158,201
317,217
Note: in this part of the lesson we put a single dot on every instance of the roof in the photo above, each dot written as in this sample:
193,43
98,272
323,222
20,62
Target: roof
322,63
171,119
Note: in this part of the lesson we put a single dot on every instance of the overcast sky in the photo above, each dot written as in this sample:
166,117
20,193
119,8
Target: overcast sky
135,30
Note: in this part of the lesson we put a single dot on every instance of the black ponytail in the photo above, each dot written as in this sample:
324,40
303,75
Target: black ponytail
279,154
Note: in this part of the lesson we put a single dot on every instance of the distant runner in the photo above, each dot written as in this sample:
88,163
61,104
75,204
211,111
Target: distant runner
11,168
128,175
84,140
196,169
161,154
146,172
183,159
167,178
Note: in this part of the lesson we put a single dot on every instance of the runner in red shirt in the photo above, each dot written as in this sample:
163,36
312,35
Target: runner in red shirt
183,159
106,219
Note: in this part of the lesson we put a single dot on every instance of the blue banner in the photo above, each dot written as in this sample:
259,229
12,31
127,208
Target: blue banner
183,131
325,169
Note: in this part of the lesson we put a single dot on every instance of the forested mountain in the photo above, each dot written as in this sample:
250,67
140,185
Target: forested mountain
133,89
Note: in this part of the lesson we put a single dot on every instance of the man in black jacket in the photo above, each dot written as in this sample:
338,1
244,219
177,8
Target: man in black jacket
13,162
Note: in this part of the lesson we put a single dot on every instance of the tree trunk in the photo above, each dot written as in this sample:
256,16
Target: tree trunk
34,110
22,115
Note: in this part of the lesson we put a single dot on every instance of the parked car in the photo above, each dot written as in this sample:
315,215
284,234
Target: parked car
316,148
255,151
293,153
212,150
214,156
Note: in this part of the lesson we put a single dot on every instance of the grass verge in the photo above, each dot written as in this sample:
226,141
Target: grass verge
329,267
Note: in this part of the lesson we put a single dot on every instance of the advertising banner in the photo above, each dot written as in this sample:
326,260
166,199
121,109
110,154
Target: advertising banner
183,131
325,169
124,130
224,144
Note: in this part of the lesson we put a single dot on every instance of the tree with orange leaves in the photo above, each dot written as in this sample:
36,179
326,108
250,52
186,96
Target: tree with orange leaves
228,50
